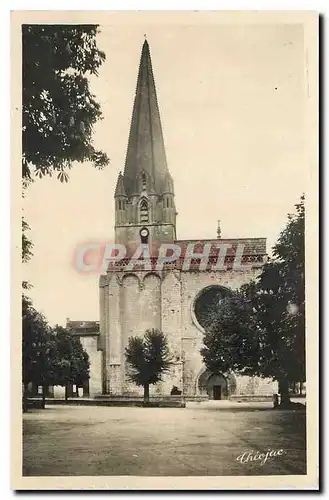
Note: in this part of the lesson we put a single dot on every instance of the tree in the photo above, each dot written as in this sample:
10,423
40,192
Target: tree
50,356
39,350
58,115
260,329
149,359
279,302
58,109
229,343
27,246
72,361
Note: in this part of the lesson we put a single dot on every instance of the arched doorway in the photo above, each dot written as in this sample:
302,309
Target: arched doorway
217,387
214,386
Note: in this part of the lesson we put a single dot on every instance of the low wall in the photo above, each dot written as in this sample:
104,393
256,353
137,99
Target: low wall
251,397
33,402
152,398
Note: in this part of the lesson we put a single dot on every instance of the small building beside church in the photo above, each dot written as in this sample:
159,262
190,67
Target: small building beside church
88,332
175,298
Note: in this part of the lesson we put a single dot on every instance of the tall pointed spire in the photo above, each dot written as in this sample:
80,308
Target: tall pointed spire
144,194
145,150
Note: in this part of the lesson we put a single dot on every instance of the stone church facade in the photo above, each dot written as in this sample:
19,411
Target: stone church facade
137,297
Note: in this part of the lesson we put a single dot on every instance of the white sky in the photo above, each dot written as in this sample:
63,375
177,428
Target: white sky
231,99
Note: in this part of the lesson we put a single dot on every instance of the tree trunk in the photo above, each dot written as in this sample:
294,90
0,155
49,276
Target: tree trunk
25,402
43,396
146,393
66,392
301,388
284,392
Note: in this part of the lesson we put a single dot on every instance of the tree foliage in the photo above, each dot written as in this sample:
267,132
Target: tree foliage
72,361
279,302
39,346
228,344
260,329
59,110
148,358
27,245
50,356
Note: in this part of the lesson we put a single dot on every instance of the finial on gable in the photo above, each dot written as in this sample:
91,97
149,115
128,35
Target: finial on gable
219,231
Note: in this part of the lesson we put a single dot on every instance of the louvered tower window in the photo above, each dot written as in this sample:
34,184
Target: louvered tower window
144,211
144,180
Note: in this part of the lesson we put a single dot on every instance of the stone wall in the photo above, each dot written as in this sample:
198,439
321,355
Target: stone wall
192,283
129,236
141,300
141,310
90,344
254,386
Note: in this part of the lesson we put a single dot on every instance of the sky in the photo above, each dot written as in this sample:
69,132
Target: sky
232,103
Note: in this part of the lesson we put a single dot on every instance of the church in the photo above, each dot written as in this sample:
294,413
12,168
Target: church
175,298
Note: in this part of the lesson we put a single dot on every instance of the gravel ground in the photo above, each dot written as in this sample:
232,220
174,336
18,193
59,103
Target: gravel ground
200,440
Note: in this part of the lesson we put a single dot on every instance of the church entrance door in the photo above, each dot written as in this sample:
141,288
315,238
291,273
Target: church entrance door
217,392
217,387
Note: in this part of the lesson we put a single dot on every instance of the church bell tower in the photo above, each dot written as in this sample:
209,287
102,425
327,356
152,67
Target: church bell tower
145,209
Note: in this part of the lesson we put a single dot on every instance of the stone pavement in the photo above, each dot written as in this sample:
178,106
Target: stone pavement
198,440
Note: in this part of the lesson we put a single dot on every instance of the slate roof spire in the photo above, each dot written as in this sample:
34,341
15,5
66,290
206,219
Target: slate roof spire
145,150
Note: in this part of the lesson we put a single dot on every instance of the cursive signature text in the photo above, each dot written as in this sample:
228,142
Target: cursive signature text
257,456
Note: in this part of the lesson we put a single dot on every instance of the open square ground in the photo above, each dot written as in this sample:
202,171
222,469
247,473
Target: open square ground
200,440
